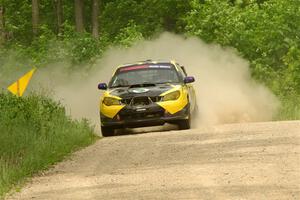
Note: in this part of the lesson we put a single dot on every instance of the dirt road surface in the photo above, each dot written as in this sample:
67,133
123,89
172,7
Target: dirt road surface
237,161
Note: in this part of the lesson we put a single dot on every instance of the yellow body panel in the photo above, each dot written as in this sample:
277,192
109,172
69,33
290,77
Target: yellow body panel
175,106
170,106
110,111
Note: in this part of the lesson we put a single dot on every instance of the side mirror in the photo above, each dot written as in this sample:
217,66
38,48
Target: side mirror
189,79
102,86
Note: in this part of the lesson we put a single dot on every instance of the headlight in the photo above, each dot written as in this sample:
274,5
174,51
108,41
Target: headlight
109,101
172,96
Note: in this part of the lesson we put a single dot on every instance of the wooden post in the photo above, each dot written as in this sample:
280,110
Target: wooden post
95,15
2,25
79,15
35,16
59,15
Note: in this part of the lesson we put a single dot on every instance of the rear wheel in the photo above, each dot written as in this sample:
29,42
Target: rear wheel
184,124
107,131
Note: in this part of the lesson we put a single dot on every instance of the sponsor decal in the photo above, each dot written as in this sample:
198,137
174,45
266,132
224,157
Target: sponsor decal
139,90
141,109
137,67
160,66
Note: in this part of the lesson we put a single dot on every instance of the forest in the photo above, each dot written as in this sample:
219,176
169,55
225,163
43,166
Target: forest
40,32
265,32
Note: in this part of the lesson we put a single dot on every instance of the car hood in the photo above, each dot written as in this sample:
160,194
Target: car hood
130,92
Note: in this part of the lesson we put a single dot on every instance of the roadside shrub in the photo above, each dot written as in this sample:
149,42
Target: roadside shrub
34,134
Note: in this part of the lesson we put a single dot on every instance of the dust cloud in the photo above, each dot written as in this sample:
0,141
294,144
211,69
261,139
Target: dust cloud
226,93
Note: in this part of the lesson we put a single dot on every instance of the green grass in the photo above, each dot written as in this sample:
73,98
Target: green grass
35,133
290,108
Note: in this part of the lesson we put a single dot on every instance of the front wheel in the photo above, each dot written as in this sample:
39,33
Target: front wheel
107,131
184,124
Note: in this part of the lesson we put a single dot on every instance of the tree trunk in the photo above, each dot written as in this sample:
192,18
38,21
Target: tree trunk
59,15
79,15
2,25
35,16
95,23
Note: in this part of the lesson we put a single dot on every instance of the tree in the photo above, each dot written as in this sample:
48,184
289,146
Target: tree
2,32
59,15
35,16
95,14
79,15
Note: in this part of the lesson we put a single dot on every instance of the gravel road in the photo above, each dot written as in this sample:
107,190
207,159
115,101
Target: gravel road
235,161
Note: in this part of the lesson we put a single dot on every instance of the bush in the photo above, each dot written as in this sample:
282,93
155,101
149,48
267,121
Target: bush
35,133
264,32
129,35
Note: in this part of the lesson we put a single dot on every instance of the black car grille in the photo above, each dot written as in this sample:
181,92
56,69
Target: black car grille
126,101
140,101
156,99
135,101
144,115
141,107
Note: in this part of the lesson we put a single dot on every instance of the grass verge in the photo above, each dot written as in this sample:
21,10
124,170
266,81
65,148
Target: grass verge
290,108
35,133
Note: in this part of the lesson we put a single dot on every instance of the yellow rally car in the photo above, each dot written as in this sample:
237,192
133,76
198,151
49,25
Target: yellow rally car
147,93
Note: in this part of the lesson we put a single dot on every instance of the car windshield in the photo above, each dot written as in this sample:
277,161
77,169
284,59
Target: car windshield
144,74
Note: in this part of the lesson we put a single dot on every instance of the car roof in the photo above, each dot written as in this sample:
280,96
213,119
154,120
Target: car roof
147,62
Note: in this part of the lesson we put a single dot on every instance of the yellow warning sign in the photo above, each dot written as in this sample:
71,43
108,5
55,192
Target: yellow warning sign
18,88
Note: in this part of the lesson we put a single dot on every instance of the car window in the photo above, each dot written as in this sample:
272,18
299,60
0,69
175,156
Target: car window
139,74
181,72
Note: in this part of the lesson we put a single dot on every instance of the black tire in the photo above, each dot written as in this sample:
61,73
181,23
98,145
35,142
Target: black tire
107,131
184,124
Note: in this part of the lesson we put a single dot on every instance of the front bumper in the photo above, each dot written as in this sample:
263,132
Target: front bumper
153,115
